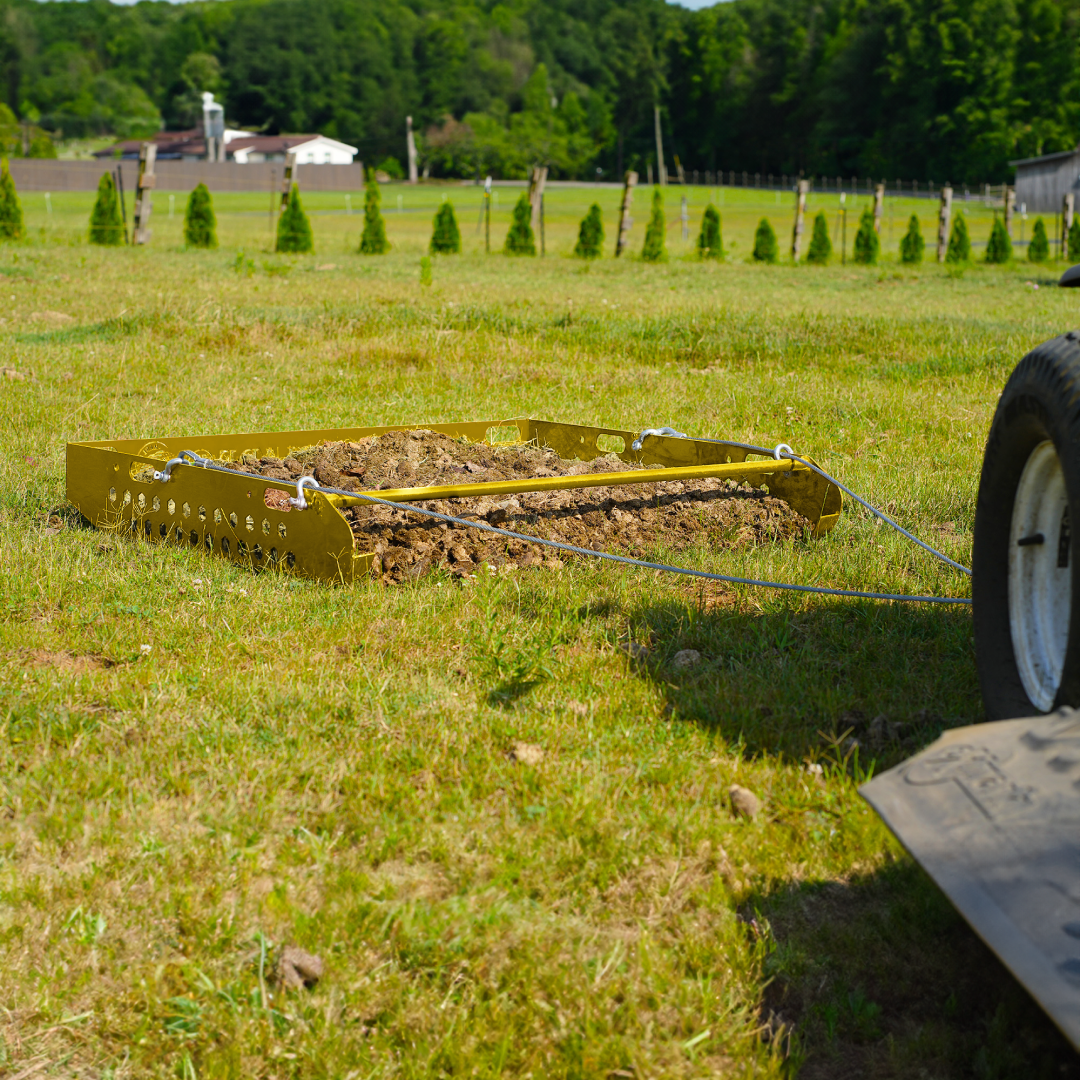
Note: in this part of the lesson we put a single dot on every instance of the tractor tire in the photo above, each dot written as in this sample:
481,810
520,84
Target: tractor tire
1025,596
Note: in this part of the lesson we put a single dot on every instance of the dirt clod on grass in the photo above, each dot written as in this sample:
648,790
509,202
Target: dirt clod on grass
298,968
631,520
744,803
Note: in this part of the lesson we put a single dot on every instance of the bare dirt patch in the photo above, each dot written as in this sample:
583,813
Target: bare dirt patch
629,519
78,663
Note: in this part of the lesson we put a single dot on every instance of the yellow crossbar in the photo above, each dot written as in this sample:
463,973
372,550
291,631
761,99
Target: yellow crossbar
740,470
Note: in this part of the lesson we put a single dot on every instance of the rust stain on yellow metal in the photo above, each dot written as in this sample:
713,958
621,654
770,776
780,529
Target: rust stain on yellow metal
111,483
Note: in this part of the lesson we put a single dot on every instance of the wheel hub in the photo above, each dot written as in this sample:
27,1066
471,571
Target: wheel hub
1040,575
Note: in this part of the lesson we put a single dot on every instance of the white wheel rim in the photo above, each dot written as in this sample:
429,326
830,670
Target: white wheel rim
1040,588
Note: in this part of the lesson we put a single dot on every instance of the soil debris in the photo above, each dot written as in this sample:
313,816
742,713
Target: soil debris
744,803
629,519
685,659
298,968
526,753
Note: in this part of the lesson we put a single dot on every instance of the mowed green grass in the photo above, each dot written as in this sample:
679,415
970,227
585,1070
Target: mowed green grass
295,764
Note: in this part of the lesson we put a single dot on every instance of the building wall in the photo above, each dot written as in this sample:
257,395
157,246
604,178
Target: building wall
1042,184
33,174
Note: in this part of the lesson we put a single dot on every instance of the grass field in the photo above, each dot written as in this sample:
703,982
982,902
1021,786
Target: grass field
200,766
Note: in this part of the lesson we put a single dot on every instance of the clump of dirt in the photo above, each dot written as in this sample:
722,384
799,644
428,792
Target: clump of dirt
629,519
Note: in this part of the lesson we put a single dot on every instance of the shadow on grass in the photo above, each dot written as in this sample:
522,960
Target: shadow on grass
879,977
775,679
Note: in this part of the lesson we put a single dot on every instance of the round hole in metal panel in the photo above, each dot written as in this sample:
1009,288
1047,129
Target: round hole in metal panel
112,494
179,535
142,502
281,529
186,510
127,498
209,542
250,523
272,557
163,530
257,552
241,547
148,528
232,520
194,538
224,545
157,505
202,513
171,504
217,516
290,559
266,527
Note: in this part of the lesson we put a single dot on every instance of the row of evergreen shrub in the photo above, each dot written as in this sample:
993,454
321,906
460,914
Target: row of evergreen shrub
294,230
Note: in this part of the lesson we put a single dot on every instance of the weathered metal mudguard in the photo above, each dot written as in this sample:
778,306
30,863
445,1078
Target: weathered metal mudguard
992,813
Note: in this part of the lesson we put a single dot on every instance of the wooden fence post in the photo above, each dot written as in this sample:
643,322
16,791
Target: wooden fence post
1068,204
536,197
944,220
879,206
624,214
800,218
287,180
144,185
1010,208
410,147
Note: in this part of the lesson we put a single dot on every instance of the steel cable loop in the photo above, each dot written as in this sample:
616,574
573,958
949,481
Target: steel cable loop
625,560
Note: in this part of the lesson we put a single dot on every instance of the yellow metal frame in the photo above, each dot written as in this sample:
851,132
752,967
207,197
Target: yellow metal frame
225,513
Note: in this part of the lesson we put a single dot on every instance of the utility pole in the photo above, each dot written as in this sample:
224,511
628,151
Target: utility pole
661,171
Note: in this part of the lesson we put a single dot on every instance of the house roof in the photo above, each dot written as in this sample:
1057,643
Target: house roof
169,144
192,143
1059,156
268,144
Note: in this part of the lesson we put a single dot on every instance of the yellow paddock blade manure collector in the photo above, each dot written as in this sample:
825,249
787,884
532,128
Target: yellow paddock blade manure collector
226,513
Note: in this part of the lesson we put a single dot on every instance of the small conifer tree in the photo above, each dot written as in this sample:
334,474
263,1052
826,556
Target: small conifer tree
654,250
445,236
766,249
820,248
1074,239
710,245
912,245
959,249
200,224
520,240
41,146
11,216
373,241
1039,248
293,228
106,226
999,246
590,235
867,245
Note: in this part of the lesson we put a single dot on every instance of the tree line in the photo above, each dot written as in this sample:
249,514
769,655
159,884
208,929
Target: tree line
931,90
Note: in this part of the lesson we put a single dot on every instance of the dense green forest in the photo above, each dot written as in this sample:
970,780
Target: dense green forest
913,89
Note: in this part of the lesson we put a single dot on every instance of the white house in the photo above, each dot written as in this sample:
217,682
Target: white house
309,149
